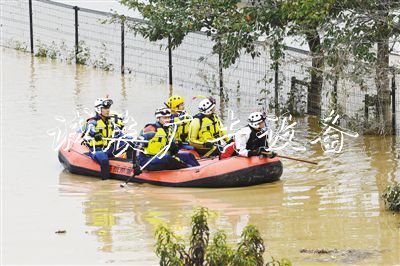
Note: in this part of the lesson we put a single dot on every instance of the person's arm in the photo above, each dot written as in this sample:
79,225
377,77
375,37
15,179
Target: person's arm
241,138
194,128
148,132
91,128
117,131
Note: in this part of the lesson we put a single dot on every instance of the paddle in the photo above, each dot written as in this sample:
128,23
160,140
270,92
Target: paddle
206,155
291,158
134,165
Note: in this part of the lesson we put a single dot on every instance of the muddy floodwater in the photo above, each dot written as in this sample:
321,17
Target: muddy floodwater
330,214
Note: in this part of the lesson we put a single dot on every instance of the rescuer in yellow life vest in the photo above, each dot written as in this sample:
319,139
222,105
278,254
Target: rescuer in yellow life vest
100,133
161,151
181,119
118,120
206,127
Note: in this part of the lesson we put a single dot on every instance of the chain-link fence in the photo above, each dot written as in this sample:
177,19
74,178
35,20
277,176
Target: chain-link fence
81,35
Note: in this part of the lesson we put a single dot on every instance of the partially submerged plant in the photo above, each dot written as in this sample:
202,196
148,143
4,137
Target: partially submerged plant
101,62
171,250
41,49
391,197
82,55
17,45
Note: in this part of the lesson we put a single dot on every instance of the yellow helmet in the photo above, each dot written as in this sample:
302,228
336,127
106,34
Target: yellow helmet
174,101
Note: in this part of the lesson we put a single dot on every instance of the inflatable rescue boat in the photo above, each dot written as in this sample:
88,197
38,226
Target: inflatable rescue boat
212,172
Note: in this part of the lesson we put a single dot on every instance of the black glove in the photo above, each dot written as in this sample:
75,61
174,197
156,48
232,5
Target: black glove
254,152
179,144
173,149
136,170
270,154
208,145
98,137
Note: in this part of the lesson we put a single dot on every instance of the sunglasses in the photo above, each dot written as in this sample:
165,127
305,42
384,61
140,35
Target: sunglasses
165,112
107,103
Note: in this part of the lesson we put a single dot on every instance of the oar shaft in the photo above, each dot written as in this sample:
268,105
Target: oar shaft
297,159
294,159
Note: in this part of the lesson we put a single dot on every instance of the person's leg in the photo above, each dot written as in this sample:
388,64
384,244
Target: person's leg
187,146
102,158
188,158
228,151
156,164
120,146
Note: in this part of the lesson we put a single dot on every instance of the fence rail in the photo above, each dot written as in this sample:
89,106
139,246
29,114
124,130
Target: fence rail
79,34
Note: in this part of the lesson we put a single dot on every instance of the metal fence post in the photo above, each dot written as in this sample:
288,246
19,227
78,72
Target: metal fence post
220,72
122,47
76,35
276,76
394,102
31,25
366,104
170,64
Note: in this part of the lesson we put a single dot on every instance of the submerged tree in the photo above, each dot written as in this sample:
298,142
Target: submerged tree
370,30
250,250
220,20
364,31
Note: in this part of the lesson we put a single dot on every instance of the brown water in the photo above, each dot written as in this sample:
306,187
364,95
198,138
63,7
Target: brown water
336,205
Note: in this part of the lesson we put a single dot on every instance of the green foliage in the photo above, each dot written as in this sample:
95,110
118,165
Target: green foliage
199,236
41,49
227,25
53,51
282,262
17,45
101,62
391,197
83,55
219,253
169,248
250,250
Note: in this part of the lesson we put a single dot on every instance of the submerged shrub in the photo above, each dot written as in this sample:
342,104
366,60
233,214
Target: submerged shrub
17,45
219,253
41,49
391,197
171,250
82,54
101,62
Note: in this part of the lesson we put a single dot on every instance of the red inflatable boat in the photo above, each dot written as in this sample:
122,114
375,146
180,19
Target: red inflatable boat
212,172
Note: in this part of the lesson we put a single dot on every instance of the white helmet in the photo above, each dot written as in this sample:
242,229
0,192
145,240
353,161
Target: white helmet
255,119
102,102
163,111
206,106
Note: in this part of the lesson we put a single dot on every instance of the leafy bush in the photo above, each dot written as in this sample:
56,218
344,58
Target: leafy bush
82,56
171,250
101,62
391,196
17,45
41,49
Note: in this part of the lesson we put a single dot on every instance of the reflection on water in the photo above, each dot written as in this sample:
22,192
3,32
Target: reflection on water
335,205
32,87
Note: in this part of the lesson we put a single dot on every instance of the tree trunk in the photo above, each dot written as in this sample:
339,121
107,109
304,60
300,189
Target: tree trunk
314,93
382,85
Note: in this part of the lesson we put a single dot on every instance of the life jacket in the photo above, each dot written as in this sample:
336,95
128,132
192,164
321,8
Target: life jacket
254,141
118,120
182,131
158,141
210,127
105,128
